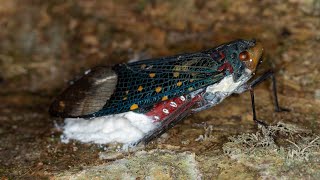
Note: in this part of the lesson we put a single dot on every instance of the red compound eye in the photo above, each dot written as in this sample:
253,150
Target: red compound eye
244,56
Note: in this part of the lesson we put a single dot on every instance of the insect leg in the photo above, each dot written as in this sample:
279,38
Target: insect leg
254,109
265,76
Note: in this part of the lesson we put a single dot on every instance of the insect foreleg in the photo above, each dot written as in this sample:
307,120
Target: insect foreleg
265,76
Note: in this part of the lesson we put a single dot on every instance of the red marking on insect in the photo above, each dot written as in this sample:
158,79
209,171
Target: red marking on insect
165,109
221,55
226,66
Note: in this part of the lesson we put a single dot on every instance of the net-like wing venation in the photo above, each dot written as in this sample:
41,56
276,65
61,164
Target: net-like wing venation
142,84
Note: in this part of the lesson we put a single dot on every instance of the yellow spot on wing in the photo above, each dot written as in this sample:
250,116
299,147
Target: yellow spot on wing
191,80
164,98
140,88
179,83
190,88
152,75
125,98
134,106
193,74
175,74
158,89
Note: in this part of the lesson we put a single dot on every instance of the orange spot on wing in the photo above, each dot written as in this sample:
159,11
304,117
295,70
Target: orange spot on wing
140,88
134,106
164,98
152,75
158,89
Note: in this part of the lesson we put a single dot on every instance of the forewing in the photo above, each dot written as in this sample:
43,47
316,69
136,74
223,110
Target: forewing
144,83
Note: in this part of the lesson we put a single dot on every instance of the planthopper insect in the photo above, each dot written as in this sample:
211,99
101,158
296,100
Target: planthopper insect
163,91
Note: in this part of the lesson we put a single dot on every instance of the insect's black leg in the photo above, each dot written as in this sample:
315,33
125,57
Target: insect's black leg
265,76
254,109
277,108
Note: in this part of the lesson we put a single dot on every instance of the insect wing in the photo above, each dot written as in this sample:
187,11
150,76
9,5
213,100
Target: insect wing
144,83
86,95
